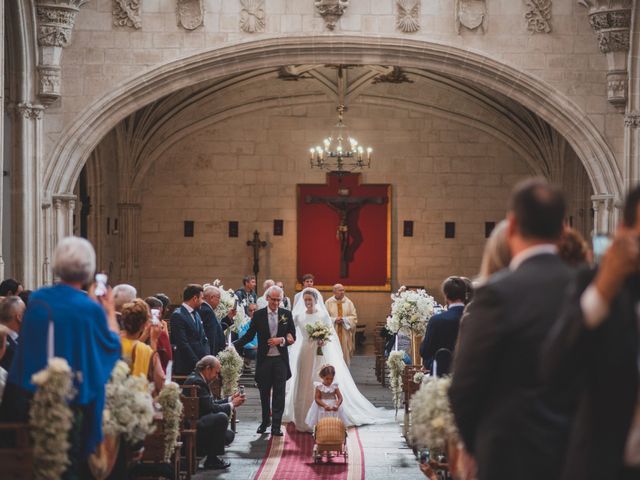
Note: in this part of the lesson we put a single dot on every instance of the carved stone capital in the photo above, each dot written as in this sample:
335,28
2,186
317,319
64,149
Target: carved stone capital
56,20
126,13
632,120
30,111
538,16
331,11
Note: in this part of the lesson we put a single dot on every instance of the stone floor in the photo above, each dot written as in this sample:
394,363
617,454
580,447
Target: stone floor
386,454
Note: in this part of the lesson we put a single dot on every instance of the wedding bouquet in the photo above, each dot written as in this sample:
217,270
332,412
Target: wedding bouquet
227,302
319,333
172,408
230,370
432,422
410,311
129,406
51,419
396,365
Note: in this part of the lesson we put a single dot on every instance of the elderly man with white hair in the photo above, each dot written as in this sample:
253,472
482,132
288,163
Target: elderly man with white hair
213,326
345,318
64,321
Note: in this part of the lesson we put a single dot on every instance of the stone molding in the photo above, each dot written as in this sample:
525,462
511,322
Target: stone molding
471,14
190,14
538,16
331,11
632,120
126,13
252,18
30,111
408,15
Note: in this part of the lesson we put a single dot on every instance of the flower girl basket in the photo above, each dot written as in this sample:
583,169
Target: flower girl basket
330,435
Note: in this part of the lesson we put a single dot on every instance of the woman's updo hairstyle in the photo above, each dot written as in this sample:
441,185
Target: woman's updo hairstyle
134,315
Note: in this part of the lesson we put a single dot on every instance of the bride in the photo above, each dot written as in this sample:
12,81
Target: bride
305,365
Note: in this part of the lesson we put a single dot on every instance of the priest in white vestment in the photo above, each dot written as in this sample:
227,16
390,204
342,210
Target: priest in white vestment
344,316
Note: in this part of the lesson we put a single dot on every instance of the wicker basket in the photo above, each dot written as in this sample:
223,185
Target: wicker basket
330,433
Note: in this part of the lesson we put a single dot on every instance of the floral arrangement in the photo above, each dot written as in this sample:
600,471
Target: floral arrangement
319,333
432,422
129,406
410,311
418,377
51,419
169,400
227,302
230,370
396,365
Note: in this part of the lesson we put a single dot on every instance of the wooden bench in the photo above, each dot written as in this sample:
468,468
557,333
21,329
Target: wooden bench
409,387
16,462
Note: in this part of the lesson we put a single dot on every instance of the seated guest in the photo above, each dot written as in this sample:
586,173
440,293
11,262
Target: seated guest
141,358
10,288
250,350
442,329
187,332
11,313
213,326
4,334
213,426
164,345
84,332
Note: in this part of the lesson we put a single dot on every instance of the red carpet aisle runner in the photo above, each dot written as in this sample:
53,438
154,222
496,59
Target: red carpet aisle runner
290,458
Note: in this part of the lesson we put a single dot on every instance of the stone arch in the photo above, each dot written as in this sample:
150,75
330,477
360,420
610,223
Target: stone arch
75,146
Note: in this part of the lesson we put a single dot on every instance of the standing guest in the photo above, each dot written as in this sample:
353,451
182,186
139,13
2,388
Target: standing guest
502,408
11,314
24,296
213,426
250,350
573,249
286,301
307,282
122,294
345,318
141,358
213,327
84,333
164,344
187,331
496,254
4,335
442,329
247,294
166,301
595,343
262,301
468,295
10,288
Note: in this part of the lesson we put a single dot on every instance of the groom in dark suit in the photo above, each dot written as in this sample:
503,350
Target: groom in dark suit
187,332
276,331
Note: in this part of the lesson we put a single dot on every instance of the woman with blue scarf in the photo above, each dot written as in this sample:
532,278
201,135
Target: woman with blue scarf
64,321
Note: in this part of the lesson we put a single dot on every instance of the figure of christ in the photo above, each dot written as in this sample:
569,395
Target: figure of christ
344,207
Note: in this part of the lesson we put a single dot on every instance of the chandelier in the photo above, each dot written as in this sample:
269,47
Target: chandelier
340,152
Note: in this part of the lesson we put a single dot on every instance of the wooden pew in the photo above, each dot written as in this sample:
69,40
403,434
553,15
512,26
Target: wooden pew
16,462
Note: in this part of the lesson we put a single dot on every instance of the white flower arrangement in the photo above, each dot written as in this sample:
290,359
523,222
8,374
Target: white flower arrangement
231,364
172,408
51,419
227,302
432,421
396,365
129,406
410,311
418,377
320,333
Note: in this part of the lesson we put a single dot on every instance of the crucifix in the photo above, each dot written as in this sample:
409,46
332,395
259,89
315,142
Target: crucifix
344,206
256,244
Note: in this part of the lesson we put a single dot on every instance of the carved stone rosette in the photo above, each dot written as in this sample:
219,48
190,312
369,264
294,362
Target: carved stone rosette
55,22
538,16
331,11
190,14
252,16
126,13
611,21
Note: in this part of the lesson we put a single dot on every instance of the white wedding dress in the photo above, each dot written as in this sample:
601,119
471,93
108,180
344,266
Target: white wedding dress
305,366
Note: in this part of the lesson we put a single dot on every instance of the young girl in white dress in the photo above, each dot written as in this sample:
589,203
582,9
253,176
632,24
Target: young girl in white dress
328,399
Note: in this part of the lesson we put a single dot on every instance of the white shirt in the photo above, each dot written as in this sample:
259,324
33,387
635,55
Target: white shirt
13,334
543,248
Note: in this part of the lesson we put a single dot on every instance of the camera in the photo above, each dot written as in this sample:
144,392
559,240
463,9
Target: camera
425,456
155,316
101,284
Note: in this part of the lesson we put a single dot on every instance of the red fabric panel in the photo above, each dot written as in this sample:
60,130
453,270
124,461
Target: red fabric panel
318,244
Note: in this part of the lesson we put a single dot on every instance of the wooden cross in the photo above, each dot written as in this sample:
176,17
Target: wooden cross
256,244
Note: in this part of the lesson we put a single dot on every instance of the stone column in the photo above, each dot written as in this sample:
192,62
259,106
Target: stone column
2,100
129,232
605,220
631,163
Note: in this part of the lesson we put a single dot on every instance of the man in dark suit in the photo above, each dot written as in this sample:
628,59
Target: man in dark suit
594,347
276,331
442,329
213,426
11,313
214,328
503,410
187,332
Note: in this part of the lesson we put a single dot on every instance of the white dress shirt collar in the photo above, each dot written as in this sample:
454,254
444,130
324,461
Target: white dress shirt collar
541,249
13,334
188,307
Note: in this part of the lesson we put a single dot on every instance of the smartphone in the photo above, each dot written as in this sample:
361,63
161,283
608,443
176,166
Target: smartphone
241,389
425,456
600,245
101,284
155,316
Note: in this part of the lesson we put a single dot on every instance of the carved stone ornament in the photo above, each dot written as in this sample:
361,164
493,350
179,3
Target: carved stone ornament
55,22
617,88
471,14
331,11
632,120
126,13
538,16
408,17
396,75
30,111
252,16
190,13
289,73
50,82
